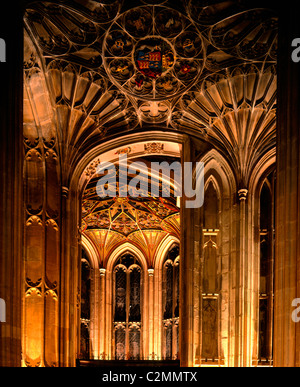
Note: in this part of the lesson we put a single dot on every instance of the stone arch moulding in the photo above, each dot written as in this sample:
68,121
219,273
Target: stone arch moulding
91,250
72,237
265,166
122,249
218,172
163,249
118,252
217,168
78,176
261,170
157,317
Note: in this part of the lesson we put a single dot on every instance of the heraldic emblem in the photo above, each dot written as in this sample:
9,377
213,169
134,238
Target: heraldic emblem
154,56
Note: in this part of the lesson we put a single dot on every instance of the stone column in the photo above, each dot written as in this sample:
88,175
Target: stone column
151,313
94,313
70,280
109,330
42,232
157,313
102,310
242,283
11,194
190,300
287,248
64,351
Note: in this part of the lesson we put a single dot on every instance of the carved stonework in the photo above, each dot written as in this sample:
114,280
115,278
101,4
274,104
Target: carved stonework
94,72
154,147
243,194
65,192
92,168
199,58
124,151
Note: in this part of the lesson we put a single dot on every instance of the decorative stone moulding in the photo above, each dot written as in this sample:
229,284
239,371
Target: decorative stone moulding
153,53
102,272
151,272
243,194
65,192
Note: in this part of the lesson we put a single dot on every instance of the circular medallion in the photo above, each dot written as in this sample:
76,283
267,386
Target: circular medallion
153,53
154,57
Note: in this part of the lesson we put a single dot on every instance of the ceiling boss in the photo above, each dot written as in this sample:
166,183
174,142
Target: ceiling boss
153,53
154,57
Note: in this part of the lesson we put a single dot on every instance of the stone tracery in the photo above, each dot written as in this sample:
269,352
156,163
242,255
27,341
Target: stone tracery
216,81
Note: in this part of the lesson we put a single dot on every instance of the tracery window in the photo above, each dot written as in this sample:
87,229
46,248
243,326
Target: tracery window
85,308
170,293
266,290
127,308
210,278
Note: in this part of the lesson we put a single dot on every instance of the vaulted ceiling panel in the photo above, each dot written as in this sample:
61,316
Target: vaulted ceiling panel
95,70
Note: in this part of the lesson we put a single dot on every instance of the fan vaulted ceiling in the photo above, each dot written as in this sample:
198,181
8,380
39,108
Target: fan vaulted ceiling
97,69
144,222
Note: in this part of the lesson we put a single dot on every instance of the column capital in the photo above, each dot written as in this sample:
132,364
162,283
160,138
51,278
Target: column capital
102,272
65,192
243,194
151,272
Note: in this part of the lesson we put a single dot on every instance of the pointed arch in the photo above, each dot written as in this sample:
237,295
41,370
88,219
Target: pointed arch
217,170
216,254
211,179
263,236
113,258
122,249
162,251
91,251
261,170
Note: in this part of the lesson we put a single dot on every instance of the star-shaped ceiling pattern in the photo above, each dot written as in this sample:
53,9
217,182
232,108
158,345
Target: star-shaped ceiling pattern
94,70
197,67
144,222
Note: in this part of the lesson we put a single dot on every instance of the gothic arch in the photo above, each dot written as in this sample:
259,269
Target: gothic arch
82,126
162,251
91,250
261,170
121,142
265,167
122,249
115,255
218,169
215,242
79,178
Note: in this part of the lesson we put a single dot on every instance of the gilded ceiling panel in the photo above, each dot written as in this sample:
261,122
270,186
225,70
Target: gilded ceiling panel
96,70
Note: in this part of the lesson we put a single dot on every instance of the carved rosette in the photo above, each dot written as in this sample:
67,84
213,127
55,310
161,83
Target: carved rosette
153,53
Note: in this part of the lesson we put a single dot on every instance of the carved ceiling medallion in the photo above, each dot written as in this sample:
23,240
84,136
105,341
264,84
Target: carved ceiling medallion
201,68
154,57
153,53
94,70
